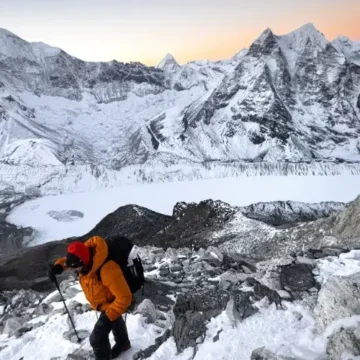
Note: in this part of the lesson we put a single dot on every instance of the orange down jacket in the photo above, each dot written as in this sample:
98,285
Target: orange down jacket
112,294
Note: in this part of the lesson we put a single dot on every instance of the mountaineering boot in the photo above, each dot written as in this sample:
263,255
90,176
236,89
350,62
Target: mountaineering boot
118,349
121,337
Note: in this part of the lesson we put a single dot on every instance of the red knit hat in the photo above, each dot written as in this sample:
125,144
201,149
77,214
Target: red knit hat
78,254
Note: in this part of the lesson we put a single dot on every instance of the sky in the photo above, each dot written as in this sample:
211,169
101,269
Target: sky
146,30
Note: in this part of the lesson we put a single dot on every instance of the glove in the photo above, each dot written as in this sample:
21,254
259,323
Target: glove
55,269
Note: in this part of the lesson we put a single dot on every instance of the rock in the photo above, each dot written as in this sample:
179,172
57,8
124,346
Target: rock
149,268
75,306
187,328
171,254
176,267
329,241
284,294
261,291
86,307
147,309
212,255
229,277
338,298
246,269
43,309
232,312
76,357
271,279
346,340
145,354
67,288
263,354
305,260
313,290
217,336
3,300
164,270
23,329
243,304
54,297
325,251
11,326
81,354
297,277
225,285
274,264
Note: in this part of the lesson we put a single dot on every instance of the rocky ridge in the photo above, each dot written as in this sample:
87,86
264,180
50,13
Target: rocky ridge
192,225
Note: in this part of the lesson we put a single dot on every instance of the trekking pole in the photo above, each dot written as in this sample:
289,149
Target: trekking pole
62,298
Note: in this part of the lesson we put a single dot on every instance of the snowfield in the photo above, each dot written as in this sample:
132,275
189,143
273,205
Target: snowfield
47,215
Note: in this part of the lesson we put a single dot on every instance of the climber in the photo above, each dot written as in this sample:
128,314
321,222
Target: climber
108,293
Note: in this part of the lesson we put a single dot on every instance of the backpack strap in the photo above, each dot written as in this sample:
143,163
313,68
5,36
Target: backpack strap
98,271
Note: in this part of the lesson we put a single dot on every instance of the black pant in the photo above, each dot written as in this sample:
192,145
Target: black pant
99,338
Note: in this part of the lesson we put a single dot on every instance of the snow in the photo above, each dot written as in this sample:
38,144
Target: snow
11,45
290,331
161,197
344,265
33,152
35,344
280,332
42,50
299,39
348,47
238,56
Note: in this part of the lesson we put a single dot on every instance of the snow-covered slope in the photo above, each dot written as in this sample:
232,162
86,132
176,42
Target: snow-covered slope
349,48
212,308
287,105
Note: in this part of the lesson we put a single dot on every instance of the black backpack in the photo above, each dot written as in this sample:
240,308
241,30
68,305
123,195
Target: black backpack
125,254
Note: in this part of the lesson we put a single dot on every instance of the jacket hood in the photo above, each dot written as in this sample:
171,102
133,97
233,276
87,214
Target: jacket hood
98,247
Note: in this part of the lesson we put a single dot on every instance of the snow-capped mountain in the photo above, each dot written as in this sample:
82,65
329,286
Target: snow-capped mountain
287,105
349,48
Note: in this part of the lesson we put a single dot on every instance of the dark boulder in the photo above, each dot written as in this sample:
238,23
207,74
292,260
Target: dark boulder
297,277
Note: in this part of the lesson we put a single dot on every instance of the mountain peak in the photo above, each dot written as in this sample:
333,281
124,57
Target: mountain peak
348,47
308,27
344,41
305,36
12,46
168,63
264,36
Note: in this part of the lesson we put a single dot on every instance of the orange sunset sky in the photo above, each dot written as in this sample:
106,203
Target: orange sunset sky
146,30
